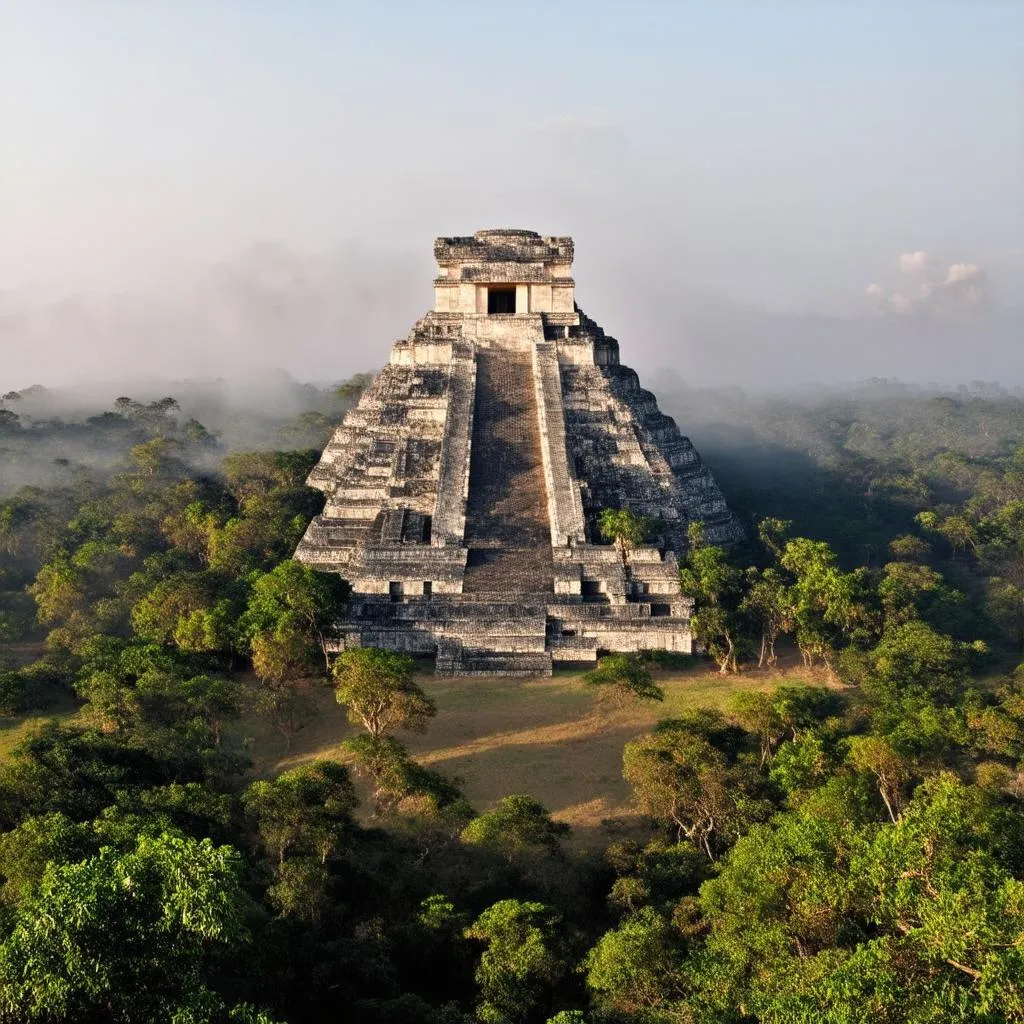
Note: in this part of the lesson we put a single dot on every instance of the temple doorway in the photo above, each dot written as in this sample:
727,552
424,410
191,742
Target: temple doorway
501,300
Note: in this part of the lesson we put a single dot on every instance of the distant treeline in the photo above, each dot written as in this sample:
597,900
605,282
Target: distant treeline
47,436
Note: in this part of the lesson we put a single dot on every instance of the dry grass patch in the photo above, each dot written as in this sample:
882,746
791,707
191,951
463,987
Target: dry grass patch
552,739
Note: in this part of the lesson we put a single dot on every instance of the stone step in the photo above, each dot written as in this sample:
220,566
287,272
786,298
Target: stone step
573,648
503,663
488,615
527,603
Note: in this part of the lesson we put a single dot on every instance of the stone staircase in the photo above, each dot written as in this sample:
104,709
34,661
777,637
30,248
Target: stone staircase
507,529
507,532
502,663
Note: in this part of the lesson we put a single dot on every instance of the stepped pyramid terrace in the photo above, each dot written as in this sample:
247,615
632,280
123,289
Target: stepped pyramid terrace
463,491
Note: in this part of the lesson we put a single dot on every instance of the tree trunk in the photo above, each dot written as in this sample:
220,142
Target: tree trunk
885,800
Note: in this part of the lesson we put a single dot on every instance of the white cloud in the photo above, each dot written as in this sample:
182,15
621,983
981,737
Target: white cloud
962,272
914,261
925,288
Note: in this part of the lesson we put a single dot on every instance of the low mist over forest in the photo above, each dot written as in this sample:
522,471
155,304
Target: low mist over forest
880,437
51,435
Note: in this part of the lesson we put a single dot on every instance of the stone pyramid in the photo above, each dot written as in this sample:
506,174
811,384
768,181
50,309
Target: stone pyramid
463,490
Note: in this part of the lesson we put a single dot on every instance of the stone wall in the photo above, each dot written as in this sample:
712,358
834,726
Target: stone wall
453,473
565,507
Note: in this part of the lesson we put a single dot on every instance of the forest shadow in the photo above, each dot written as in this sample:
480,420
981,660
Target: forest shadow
765,478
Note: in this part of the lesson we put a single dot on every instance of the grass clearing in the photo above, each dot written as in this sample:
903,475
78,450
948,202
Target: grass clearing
551,738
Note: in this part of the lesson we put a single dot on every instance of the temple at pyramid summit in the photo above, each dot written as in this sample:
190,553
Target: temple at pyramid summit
463,492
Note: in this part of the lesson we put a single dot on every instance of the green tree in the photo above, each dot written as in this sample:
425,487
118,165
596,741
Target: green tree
779,901
956,530
773,534
824,599
905,590
396,776
636,968
679,777
125,936
185,609
378,688
26,851
625,676
1002,556
157,457
112,705
292,588
263,533
716,586
282,658
516,826
13,693
757,712
876,756
913,656
214,700
801,765
813,918
250,474
189,529
21,518
767,603
942,891
623,527
59,590
305,810
300,888
284,652
908,547
801,707
521,962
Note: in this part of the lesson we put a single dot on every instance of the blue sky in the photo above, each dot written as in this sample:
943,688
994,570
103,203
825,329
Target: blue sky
767,156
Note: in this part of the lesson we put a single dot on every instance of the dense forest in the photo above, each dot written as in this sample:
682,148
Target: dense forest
842,845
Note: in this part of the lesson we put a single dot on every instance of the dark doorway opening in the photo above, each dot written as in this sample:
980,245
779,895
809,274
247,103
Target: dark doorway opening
396,590
501,300
428,588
